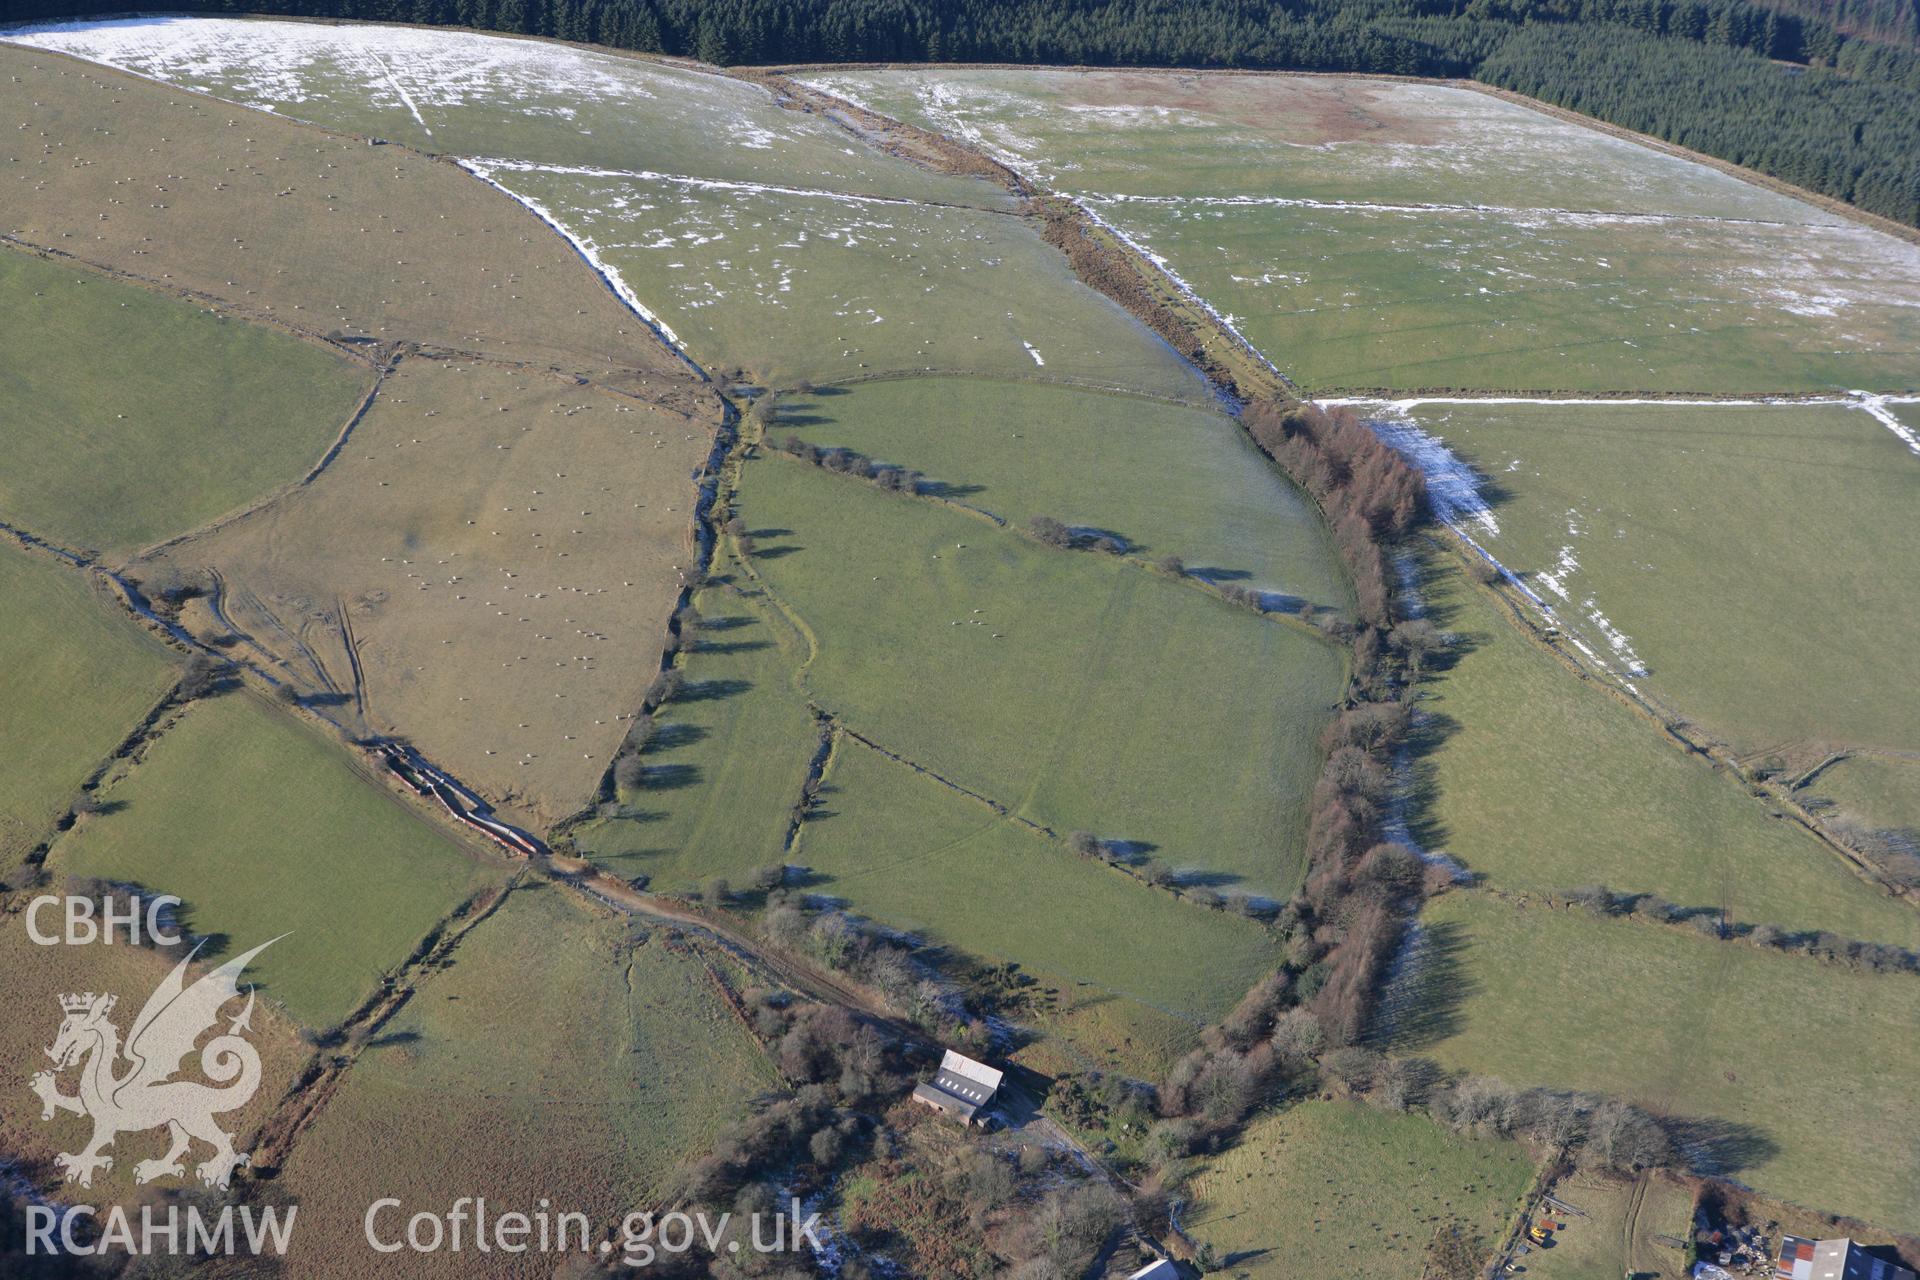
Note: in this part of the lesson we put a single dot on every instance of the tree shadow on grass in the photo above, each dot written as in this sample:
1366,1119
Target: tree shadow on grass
676,733
670,777
711,690
1419,779
1713,1147
1421,1001
1202,878
731,646
948,489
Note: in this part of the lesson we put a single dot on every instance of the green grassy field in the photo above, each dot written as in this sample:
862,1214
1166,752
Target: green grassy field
1367,234
75,679
727,759
320,231
1056,682
796,286
1613,1235
263,829
465,93
1171,480
1880,791
503,549
552,1059
1344,298
1344,1189
1766,635
1798,1068
132,415
920,857
1301,137
1542,782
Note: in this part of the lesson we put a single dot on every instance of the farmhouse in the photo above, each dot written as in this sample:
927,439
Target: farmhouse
961,1088
1803,1259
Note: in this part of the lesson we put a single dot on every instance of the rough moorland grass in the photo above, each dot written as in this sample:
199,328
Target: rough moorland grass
503,546
263,829
793,286
1077,690
564,1054
1181,134
1543,782
1763,561
1341,1188
37,976
727,759
1880,791
1169,479
74,680
1800,1068
1423,299
279,219
464,93
918,856
132,415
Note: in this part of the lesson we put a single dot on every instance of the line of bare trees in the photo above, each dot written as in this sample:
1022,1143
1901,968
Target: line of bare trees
1369,492
1820,944
846,462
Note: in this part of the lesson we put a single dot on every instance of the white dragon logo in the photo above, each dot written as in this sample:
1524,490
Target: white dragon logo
145,1096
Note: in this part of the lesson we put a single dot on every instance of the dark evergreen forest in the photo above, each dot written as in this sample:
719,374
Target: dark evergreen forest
1820,93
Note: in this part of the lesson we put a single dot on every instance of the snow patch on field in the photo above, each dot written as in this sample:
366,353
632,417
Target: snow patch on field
276,62
1454,493
587,249
704,184
1032,351
1165,268
1877,406
1525,216
1453,487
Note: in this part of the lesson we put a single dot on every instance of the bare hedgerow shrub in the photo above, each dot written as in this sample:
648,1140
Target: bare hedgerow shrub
1596,898
1050,531
628,771
201,676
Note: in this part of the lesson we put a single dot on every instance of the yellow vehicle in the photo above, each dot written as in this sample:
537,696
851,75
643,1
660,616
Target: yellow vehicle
1540,1232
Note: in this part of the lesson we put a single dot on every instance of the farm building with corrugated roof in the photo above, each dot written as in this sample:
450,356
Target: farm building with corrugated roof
1803,1259
961,1088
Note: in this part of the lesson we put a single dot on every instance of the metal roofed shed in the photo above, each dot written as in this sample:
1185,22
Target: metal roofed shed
962,1087
1842,1259
1160,1270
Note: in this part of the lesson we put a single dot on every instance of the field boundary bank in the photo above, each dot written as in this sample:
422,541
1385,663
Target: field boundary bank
145,730
1192,581
756,74
275,494
1623,906
300,1106
1752,177
372,353
1717,755
93,66
356,352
